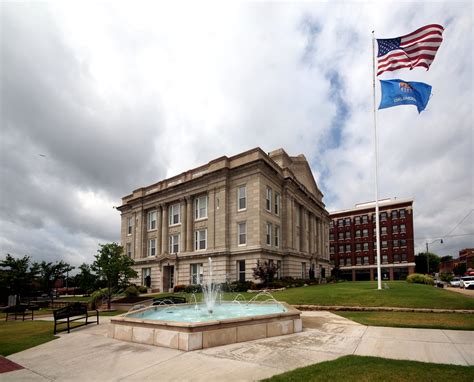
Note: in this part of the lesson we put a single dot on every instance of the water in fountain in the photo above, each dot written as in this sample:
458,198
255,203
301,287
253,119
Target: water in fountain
210,291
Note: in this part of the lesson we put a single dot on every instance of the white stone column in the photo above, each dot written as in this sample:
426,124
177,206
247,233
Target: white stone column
159,224
164,229
189,224
184,224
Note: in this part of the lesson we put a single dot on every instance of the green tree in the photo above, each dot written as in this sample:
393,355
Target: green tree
113,267
48,273
265,272
420,262
460,269
16,275
86,280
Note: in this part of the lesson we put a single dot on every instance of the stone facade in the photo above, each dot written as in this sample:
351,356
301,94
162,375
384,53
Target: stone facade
237,210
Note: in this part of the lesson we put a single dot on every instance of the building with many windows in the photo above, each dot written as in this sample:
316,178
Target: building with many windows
238,210
353,242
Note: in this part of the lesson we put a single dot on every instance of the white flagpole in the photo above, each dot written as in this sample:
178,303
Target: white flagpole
377,222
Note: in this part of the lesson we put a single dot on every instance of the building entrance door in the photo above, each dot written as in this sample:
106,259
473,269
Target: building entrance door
168,278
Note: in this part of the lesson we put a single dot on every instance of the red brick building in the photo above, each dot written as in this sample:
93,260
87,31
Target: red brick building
353,241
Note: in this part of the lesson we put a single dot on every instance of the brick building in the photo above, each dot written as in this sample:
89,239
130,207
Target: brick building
353,241
238,210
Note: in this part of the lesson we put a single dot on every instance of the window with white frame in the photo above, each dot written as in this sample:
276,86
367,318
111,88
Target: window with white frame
200,207
152,247
365,232
348,247
331,249
200,239
402,214
278,273
129,249
174,243
357,220
241,198
383,230
151,220
303,270
358,247
366,246
348,261
341,248
129,226
365,219
384,259
269,233
277,236
241,270
195,271
402,228
277,203
242,233
268,199
175,214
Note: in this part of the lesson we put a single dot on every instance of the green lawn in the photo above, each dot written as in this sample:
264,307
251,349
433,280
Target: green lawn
365,369
454,321
16,336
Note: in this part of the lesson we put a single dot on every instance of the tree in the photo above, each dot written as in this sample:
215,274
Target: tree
48,273
265,272
113,267
86,280
420,262
446,258
16,275
460,269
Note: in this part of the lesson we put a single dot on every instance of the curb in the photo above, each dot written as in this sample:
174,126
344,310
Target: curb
380,309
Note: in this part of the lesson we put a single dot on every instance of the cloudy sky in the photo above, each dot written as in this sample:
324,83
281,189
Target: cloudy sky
98,99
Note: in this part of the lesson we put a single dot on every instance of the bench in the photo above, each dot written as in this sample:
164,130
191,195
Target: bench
20,310
169,300
72,313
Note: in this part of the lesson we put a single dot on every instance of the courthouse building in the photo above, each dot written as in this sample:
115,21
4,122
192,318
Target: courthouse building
237,210
353,242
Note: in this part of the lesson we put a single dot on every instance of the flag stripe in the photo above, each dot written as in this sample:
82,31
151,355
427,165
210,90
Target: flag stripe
414,49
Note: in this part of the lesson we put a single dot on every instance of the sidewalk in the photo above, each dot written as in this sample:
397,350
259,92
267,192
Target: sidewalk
88,354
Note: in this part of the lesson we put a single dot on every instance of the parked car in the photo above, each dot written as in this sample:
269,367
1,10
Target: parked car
467,282
455,282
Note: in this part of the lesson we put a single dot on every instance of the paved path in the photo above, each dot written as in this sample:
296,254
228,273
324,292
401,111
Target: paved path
87,354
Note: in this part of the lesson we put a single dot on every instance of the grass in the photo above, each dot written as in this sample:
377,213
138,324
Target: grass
17,336
454,321
365,369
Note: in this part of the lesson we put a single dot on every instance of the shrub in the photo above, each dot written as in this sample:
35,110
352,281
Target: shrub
417,278
193,288
277,284
179,288
97,297
131,291
446,277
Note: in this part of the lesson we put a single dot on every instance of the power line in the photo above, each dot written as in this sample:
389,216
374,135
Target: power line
457,225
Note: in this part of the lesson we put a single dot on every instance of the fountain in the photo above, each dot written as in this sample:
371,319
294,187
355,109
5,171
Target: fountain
210,323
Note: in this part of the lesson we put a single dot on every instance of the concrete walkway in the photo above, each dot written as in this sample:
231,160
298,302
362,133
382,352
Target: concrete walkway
87,354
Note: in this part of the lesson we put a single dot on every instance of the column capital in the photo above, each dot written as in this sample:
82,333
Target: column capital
189,199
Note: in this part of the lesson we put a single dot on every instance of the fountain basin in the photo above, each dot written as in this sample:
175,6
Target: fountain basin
205,331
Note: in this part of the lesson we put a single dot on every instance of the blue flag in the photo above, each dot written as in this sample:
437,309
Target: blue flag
399,92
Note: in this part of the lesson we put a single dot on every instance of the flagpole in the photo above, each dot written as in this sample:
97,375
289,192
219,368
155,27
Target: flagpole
377,222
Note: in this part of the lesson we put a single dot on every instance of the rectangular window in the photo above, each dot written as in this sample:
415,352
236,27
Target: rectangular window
129,226
303,270
358,247
358,233
395,243
241,198
403,243
268,200
366,246
277,203
277,236
341,249
359,260
200,207
347,222
357,220
404,257
175,214
278,274
366,259
365,219
146,276
402,228
269,233
340,223
349,261
152,247
384,244
396,258
331,249
340,235
348,234
383,230
331,236
242,233
383,216
384,259
174,243
395,214
151,220
129,249
241,270
200,240
348,247
402,214
195,271
375,245
395,229
365,233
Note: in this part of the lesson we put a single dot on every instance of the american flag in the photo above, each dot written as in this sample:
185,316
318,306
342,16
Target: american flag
414,49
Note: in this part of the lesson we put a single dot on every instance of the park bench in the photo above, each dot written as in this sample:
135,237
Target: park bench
72,313
169,300
21,310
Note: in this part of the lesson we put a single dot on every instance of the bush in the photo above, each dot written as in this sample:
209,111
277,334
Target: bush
142,289
446,277
131,291
193,288
97,297
179,288
417,278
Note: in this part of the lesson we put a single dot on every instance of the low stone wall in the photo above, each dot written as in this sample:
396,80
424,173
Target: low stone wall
379,309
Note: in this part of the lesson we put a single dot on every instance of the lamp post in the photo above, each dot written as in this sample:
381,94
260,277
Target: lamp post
427,254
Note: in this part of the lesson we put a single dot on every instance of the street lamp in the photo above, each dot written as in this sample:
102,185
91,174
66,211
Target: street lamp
427,254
